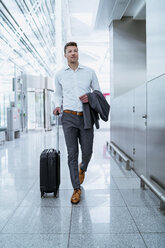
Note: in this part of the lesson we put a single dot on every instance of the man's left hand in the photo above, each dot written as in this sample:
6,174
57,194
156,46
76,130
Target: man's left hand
84,98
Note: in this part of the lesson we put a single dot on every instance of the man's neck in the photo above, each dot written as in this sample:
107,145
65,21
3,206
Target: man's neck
73,66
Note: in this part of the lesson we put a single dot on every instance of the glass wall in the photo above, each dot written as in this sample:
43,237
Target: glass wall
6,90
35,109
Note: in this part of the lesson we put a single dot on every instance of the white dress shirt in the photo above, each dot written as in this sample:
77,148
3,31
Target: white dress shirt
70,85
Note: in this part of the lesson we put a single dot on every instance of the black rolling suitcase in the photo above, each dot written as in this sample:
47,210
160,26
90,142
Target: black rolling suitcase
50,168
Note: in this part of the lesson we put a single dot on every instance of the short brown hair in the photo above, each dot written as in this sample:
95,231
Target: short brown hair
71,43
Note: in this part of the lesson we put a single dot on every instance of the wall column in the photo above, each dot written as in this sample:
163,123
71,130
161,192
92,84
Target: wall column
128,55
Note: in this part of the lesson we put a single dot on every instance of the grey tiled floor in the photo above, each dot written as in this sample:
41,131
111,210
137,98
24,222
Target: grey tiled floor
113,212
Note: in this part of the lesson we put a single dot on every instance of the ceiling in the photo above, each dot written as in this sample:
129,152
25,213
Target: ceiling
89,26
27,34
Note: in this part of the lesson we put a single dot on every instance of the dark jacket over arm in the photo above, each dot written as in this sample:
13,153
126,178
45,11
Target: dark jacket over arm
96,106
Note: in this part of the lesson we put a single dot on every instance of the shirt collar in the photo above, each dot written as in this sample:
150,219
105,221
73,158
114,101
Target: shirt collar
79,67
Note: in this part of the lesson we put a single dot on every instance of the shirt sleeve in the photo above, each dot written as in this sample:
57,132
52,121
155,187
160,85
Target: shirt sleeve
95,83
58,93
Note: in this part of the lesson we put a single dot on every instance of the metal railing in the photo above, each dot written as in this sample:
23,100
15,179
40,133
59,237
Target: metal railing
144,181
122,156
111,147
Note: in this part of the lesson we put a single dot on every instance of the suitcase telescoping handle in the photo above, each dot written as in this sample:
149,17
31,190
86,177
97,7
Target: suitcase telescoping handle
57,132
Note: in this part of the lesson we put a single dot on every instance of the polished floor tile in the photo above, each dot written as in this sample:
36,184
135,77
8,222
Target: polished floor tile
139,197
102,220
33,199
154,240
5,215
33,240
19,172
127,183
118,169
16,183
11,197
113,212
99,177
39,220
96,186
106,241
148,219
101,198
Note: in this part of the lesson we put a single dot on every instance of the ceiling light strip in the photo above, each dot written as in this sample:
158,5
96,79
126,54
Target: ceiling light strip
19,33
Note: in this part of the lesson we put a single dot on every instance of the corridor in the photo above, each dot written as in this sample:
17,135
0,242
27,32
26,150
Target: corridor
113,212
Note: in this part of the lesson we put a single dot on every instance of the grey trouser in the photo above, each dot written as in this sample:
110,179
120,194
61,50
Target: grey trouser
73,126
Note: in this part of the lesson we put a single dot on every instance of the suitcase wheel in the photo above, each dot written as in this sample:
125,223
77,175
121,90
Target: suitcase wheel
42,194
55,193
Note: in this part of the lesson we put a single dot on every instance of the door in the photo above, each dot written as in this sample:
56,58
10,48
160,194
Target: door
140,125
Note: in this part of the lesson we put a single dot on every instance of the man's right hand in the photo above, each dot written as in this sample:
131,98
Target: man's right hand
57,111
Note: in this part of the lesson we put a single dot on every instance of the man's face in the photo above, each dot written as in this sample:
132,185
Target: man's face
71,54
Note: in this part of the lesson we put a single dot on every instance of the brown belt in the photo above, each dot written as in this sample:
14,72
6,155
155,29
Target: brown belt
73,112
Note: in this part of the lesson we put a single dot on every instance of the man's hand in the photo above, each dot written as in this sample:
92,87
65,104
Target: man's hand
57,111
84,98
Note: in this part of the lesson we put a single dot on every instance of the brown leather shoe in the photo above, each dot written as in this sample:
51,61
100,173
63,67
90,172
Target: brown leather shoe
81,175
76,196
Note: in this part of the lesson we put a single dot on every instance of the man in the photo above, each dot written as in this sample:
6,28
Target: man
72,85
